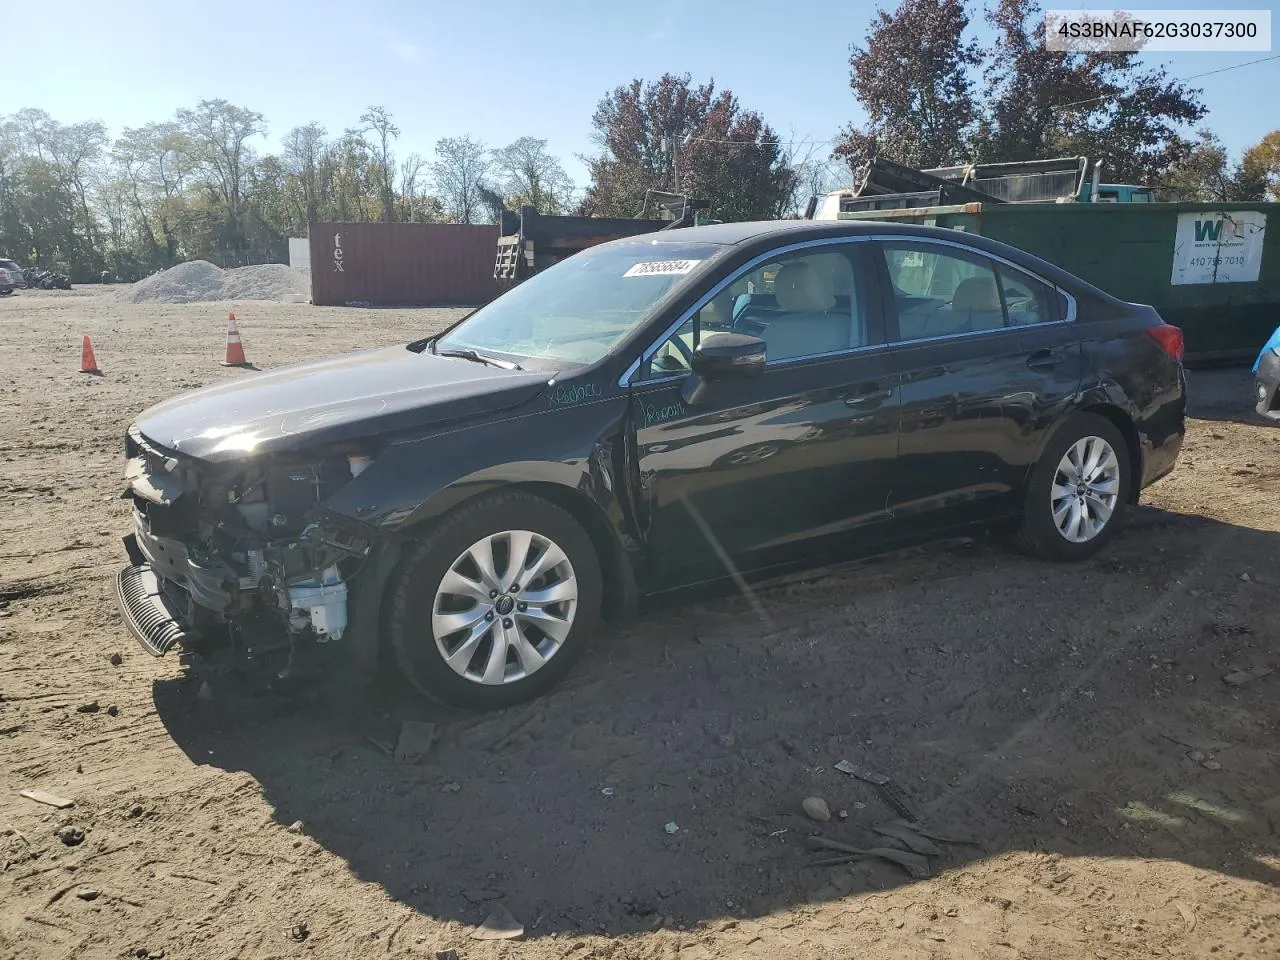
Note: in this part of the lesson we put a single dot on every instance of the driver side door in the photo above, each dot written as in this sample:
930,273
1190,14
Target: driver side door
763,470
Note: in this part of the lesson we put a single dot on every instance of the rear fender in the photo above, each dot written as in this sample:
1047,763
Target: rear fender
1107,400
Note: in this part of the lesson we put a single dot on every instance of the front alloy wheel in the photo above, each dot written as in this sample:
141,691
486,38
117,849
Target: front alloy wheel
505,607
495,601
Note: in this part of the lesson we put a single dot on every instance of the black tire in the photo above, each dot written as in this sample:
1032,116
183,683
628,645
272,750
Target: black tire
409,616
1038,534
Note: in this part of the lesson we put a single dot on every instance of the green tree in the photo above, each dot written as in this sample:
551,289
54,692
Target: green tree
1261,164
303,154
1205,174
218,136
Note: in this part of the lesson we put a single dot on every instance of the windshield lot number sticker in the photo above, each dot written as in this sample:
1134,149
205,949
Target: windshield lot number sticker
661,268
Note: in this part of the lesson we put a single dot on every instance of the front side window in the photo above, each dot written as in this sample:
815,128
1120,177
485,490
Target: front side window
804,303
576,311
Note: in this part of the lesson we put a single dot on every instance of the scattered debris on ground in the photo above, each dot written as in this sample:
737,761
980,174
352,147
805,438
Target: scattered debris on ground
499,925
815,808
52,799
414,741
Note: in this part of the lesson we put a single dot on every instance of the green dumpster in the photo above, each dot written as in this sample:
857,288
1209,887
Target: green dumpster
1212,269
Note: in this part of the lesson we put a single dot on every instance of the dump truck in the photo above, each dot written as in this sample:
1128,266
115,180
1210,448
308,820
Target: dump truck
883,184
529,241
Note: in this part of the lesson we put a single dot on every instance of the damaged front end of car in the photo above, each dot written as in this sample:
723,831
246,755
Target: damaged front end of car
238,563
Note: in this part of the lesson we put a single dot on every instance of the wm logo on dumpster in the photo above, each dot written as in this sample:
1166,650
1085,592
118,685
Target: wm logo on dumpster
1208,230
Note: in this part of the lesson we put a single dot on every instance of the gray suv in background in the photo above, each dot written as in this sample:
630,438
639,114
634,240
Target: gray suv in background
16,276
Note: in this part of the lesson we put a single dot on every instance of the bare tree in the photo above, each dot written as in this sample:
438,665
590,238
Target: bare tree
77,148
35,128
461,168
218,135
816,171
410,173
304,149
378,121
531,176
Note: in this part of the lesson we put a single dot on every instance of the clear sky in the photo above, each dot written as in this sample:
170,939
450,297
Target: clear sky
497,71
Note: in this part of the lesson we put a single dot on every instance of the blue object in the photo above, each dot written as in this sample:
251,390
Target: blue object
1272,344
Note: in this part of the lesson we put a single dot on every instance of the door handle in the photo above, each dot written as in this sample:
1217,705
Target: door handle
1044,359
867,399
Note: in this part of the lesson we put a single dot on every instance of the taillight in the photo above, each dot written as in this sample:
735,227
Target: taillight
1169,337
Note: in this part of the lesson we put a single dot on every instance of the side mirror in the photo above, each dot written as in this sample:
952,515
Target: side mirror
729,355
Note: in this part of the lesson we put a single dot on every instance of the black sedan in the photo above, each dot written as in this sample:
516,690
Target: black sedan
705,404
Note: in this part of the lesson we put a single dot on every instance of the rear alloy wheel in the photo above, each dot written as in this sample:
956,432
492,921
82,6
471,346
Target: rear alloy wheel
496,602
1085,489
1078,491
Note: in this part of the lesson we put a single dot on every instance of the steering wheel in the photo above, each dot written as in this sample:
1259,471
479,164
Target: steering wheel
749,324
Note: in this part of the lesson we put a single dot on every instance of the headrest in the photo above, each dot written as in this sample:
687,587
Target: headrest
801,289
977,293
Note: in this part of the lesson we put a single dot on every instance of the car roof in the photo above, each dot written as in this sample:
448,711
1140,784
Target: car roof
733,233
753,236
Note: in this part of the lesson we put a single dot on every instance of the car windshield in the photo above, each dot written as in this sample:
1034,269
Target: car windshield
577,310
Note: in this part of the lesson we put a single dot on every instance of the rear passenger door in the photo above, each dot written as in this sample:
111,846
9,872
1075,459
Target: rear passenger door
987,357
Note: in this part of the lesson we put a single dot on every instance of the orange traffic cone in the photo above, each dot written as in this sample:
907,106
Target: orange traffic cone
235,349
88,363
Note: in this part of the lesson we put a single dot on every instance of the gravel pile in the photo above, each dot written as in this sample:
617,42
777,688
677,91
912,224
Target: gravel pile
270,281
198,280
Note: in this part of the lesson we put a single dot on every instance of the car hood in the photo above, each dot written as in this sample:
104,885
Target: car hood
321,401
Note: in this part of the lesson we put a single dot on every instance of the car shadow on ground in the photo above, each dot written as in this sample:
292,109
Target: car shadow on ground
1022,705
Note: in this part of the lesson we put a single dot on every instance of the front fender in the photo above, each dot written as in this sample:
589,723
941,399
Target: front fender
417,480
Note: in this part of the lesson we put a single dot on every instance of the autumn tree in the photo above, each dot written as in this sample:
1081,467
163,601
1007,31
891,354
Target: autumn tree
1207,175
1262,163
673,136
1102,104
912,75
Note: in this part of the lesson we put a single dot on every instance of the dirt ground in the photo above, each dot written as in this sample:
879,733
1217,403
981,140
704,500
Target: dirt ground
1072,721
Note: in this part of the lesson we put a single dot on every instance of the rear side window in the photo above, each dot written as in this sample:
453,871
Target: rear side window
941,291
1026,299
